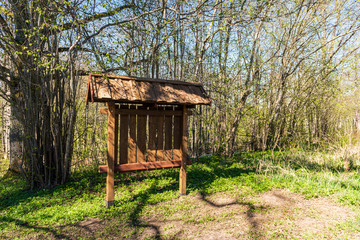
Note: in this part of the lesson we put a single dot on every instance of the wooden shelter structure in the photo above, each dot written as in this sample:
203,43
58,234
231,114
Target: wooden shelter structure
147,123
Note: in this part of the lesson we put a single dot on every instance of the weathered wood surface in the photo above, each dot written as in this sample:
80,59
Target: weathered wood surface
141,138
183,150
132,139
149,134
151,150
124,128
123,89
177,138
149,112
168,147
111,153
160,138
131,167
145,112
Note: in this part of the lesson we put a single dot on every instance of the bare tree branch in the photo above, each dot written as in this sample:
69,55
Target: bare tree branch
97,16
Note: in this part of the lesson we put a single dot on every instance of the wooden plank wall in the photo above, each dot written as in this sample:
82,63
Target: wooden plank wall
132,140
159,142
141,138
149,135
123,144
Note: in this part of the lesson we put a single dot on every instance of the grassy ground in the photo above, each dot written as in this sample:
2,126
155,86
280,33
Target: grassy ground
4,165
266,195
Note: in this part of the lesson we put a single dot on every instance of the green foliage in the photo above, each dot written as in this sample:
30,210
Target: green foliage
144,194
314,173
90,134
83,197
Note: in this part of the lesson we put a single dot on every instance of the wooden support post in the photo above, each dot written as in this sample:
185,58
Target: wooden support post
182,180
112,140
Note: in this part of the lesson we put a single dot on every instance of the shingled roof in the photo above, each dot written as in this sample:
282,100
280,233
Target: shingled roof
124,89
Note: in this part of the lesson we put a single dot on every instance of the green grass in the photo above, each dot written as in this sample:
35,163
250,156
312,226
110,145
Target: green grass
141,195
313,174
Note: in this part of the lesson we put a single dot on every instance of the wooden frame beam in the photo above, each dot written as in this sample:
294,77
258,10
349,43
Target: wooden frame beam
112,141
146,166
150,112
183,149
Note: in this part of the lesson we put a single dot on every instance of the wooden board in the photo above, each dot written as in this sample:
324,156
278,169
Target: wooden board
141,138
109,88
168,152
131,167
132,140
179,91
102,88
147,112
116,136
111,154
151,151
146,91
177,138
131,93
160,139
171,97
135,90
124,128
103,111
157,89
182,177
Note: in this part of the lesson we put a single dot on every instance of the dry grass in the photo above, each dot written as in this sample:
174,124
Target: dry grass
4,165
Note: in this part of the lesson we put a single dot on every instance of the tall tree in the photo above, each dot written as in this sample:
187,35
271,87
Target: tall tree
41,44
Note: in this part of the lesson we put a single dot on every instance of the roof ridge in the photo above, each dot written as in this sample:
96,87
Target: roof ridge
161,80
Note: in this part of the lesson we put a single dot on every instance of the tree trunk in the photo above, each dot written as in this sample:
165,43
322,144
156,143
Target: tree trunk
13,139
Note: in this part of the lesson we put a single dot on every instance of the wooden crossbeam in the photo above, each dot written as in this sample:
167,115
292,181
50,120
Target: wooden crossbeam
147,112
132,167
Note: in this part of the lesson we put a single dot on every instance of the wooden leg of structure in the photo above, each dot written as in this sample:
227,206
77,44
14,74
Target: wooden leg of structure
111,154
182,180
182,183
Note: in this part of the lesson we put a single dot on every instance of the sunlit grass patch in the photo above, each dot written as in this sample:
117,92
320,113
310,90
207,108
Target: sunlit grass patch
313,174
144,195
4,164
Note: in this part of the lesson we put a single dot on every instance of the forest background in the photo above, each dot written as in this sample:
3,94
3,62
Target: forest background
281,74
276,155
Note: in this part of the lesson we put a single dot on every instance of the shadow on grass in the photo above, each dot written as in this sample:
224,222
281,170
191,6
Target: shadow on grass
255,226
16,191
20,223
201,176
67,231
135,216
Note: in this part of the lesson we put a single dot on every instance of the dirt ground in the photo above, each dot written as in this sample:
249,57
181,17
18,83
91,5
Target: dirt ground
278,214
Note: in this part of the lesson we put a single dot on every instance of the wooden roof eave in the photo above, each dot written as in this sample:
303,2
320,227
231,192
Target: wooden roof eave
148,102
92,93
